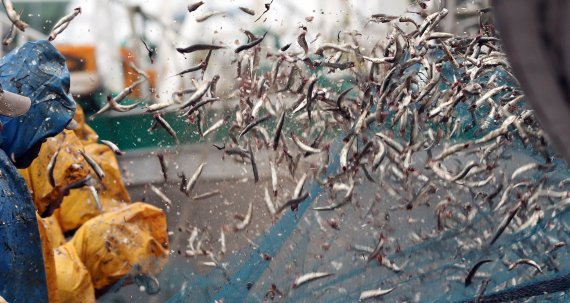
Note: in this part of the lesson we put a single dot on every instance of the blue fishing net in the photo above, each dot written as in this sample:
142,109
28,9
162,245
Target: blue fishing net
434,231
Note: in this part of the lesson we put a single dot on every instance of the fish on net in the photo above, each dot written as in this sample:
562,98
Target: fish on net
437,183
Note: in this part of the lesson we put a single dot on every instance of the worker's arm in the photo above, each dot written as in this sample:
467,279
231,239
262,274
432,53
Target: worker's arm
37,71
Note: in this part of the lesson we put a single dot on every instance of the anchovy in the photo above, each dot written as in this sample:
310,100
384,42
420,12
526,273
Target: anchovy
285,47
359,123
114,102
120,108
376,252
267,7
10,37
339,100
273,178
157,106
208,16
237,151
194,68
505,223
219,147
61,25
204,65
253,124
51,167
113,147
555,247
214,126
269,203
452,150
527,167
198,47
250,44
317,141
504,129
527,262
194,6
192,182
163,166
507,192
207,195
95,195
344,153
310,96
374,293
96,168
379,155
340,66
292,203
278,129
198,94
243,224
382,18
222,241
465,171
159,193
367,173
199,104
304,147
253,165
482,290
162,122
302,42
473,271
310,277
331,206
379,60
247,10
13,15
150,53
299,186
391,142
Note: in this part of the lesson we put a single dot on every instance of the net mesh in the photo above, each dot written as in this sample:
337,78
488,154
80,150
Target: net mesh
479,182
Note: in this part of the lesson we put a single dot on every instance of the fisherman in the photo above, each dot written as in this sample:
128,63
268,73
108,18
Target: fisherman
106,225
34,104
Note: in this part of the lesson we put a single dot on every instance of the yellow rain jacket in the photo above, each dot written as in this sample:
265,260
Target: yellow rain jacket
112,243
49,262
73,280
69,167
107,243
79,206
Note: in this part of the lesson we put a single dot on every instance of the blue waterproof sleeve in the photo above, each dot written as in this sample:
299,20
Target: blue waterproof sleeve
22,274
36,70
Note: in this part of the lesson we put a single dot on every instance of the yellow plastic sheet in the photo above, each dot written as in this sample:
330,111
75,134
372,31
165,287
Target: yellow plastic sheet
53,230
112,243
73,280
49,262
